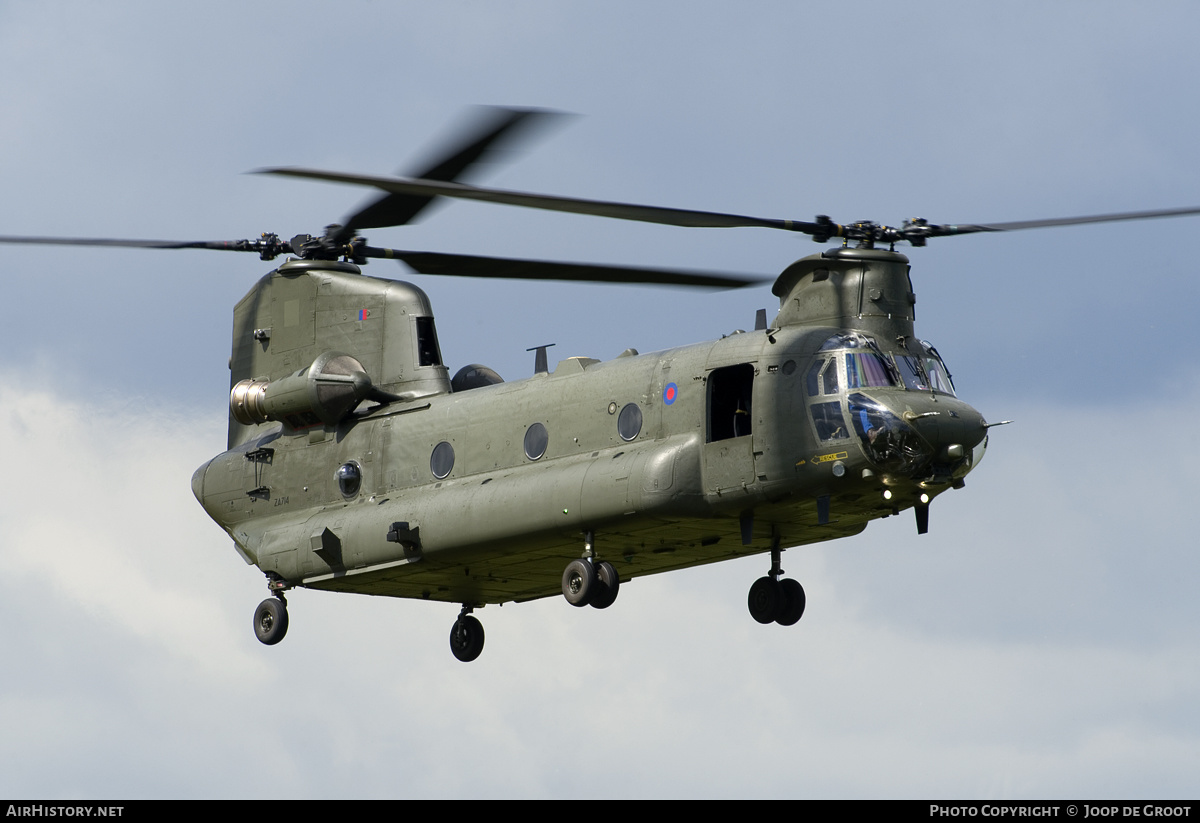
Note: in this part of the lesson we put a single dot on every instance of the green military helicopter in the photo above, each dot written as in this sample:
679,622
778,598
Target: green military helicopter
356,463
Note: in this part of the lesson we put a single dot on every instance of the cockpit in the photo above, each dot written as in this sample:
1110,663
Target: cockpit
900,405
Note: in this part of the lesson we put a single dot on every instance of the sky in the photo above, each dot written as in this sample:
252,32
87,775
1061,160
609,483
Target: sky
1039,642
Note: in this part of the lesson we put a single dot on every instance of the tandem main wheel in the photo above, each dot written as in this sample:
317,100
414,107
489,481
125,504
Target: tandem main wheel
585,583
776,601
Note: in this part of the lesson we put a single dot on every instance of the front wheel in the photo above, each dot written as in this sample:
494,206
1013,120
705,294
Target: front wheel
466,638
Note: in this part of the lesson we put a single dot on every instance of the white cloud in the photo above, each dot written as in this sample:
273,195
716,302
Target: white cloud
134,672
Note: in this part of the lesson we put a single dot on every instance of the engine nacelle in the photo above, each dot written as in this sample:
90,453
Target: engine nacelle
323,393
474,376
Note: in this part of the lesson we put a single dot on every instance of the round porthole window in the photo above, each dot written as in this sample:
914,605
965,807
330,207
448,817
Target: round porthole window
349,478
442,460
536,440
629,423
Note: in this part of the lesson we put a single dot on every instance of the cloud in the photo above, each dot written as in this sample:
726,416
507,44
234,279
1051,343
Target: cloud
984,659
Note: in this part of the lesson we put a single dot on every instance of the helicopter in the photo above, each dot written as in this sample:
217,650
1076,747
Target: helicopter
355,461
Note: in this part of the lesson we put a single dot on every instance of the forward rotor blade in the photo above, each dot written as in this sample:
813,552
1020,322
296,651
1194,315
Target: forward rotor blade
465,265
575,205
970,228
479,143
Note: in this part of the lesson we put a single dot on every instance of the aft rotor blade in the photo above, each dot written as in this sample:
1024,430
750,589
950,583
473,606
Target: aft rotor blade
220,245
492,128
970,228
575,205
465,265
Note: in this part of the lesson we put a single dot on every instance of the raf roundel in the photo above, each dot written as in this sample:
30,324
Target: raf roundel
670,393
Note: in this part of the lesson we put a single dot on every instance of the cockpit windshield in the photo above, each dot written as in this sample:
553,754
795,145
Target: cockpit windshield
865,369
867,366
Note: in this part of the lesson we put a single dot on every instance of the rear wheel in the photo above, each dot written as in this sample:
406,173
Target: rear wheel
765,600
579,582
608,584
270,621
793,602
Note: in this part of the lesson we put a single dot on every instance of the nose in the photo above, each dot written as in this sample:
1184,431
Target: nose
950,427
930,439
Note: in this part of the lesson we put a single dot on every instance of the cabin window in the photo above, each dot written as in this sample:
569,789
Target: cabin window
730,391
428,352
629,422
536,441
349,478
442,460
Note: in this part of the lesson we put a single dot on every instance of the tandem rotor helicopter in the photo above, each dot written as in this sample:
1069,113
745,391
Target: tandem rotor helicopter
356,463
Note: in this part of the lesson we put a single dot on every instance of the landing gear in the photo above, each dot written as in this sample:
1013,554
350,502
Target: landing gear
466,637
793,602
765,600
586,582
271,620
579,582
773,600
608,584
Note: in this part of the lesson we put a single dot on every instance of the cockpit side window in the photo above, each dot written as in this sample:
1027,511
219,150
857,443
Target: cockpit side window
939,375
823,377
912,373
925,373
829,378
827,418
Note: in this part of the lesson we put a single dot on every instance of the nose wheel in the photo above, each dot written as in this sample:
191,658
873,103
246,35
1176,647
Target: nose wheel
775,600
466,636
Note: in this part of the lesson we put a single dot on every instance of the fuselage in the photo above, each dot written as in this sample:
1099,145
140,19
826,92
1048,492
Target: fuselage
795,434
